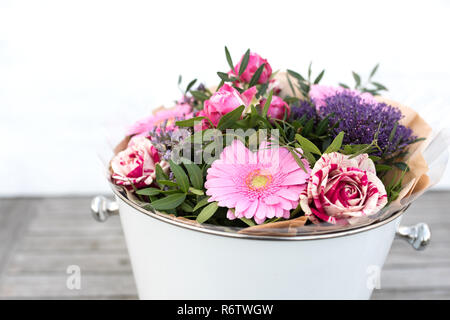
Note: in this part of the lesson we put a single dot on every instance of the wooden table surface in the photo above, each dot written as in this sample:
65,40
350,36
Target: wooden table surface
41,237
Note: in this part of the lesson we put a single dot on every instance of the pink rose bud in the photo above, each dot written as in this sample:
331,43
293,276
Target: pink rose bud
341,189
135,166
226,99
278,107
254,62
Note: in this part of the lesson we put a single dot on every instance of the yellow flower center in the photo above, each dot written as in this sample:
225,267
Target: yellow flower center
258,180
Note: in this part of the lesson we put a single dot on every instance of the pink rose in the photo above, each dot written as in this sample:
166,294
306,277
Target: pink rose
144,126
278,107
341,189
226,99
136,164
254,62
319,93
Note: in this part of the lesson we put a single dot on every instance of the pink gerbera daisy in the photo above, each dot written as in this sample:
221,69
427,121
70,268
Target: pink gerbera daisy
259,185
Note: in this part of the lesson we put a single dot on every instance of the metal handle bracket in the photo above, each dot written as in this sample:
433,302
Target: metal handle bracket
102,208
418,236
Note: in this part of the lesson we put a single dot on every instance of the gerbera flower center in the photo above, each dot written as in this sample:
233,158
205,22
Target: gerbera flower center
258,180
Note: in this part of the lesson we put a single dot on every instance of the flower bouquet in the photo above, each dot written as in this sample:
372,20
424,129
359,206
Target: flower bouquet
275,152
322,174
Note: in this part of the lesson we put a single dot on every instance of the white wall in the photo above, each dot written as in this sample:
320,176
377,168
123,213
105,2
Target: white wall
69,69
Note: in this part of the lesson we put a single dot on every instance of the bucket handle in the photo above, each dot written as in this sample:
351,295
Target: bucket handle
418,236
102,208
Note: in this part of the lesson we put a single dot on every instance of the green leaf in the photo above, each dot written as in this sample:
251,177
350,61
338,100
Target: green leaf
223,76
167,183
344,86
298,160
244,62
308,127
207,212
382,167
149,191
201,203
249,222
402,166
160,174
379,86
307,145
256,75
186,207
195,175
229,60
309,70
170,202
180,176
394,129
336,144
230,118
322,126
189,122
374,70
319,77
196,191
357,79
190,85
199,95
296,75
180,78
267,104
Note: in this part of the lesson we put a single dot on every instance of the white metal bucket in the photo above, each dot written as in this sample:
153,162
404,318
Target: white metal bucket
172,260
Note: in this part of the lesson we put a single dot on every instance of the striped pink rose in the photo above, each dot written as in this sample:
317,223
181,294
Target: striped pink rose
341,189
135,166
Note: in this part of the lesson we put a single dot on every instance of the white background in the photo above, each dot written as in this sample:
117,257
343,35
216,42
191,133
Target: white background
70,69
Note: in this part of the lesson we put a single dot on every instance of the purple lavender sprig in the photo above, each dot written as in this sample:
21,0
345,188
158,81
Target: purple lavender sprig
362,122
303,108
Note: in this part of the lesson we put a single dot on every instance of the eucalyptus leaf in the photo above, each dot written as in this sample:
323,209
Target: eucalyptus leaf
190,85
307,145
195,175
229,60
382,167
223,76
374,70
189,122
199,95
296,75
336,144
148,191
230,118
167,183
170,202
319,77
196,191
256,75
207,212
357,79
267,104
201,203
244,62
180,176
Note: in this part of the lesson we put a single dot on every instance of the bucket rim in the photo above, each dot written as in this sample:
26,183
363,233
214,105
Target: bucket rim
211,231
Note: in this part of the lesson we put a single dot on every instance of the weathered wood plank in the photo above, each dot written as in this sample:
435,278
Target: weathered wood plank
91,243
41,285
57,262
